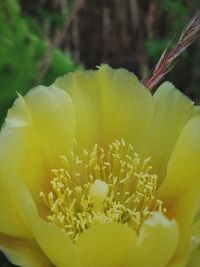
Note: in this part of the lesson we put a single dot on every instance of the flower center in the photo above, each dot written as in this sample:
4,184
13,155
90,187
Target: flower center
102,186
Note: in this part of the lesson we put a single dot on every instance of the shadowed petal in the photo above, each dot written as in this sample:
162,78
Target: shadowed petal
180,190
23,252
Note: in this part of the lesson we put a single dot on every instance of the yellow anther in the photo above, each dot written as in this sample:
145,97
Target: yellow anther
103,185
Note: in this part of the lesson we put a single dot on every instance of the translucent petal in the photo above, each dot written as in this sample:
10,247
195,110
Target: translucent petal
38,129
116,245
172,112
109,104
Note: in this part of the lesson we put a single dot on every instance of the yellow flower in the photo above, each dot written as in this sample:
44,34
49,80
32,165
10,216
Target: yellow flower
97,172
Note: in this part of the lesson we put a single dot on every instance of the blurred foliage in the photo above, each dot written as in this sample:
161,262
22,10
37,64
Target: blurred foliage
22,51
180,12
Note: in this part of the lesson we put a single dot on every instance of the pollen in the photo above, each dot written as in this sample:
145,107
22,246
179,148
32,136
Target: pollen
103,185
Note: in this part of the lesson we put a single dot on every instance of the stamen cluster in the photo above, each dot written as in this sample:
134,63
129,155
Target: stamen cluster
101,186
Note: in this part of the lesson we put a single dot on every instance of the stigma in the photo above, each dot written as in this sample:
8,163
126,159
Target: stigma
103,185
98,192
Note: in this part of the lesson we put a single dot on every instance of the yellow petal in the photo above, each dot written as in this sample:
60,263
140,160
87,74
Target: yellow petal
49,115
156,233
172,111
109,104
194,258
57,246
23,252
38,129
107,245
180,190
10,220
116,245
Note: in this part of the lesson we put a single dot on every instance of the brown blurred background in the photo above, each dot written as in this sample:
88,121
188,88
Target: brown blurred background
125,33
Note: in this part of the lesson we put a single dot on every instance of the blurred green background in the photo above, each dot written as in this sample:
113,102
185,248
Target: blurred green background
42,39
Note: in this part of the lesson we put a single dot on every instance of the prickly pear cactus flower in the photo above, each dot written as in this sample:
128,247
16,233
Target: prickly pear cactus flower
97,172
